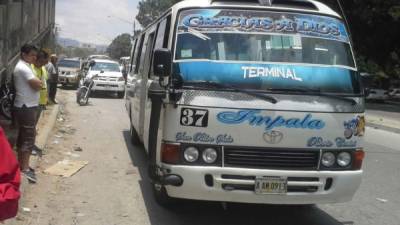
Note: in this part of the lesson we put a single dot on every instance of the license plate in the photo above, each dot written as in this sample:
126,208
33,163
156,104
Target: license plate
271,185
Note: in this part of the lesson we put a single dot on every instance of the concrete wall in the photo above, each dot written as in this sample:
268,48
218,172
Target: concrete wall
2,35
15,31
23,21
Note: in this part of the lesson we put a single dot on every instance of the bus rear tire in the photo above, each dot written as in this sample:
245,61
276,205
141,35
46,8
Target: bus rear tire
135,140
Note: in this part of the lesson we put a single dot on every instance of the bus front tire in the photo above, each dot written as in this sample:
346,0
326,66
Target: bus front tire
135,140
161,196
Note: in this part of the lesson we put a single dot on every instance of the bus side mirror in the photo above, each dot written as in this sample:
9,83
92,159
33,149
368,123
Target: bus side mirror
162,62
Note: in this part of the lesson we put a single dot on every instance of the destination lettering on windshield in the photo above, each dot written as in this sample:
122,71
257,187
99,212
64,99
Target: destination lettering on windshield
263,21
266,23
277,72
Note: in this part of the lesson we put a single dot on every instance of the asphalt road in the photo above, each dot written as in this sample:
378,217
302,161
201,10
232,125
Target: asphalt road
113,188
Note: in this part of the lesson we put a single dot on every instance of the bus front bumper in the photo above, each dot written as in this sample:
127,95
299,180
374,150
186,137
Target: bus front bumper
237,185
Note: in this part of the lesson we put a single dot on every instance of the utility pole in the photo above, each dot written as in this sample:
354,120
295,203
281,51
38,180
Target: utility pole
126,21
134,28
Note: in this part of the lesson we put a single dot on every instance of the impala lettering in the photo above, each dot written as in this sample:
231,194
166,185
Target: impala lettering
253,118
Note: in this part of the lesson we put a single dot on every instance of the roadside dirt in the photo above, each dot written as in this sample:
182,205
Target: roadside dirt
107,190
41,196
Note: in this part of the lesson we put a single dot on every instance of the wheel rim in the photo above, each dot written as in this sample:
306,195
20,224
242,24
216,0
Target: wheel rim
6,108
82,99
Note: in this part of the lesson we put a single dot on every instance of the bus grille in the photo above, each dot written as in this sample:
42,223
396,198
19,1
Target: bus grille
286,159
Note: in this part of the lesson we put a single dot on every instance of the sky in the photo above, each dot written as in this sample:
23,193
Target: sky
95,21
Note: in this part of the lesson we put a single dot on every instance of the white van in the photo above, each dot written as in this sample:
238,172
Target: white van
248,101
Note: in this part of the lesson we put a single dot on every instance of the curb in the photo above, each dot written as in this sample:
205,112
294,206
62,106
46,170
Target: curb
393,102
383,127
41,139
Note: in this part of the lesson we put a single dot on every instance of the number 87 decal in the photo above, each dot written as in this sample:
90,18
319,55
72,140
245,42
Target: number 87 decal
194,117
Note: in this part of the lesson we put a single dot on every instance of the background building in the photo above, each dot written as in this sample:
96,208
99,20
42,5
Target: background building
24,21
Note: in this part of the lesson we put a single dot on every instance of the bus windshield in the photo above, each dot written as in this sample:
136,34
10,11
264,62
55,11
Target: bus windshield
265,50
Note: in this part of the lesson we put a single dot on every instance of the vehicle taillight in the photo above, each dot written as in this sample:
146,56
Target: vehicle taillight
170,153
358,159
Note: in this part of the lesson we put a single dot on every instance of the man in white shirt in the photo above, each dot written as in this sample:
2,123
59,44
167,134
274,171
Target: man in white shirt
27,87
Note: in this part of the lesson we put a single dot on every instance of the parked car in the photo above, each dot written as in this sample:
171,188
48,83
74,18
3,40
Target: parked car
378,95
98,57
394,93
69,69
110,78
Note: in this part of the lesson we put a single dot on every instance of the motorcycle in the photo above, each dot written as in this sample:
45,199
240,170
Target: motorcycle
83,92
6,102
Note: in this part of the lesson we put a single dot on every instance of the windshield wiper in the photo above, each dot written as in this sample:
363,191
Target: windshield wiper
231,87
198,34
313,91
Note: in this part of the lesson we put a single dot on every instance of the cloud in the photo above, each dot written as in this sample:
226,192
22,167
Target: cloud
95,21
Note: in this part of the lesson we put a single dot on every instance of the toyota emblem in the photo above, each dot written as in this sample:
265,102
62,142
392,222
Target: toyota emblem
273,137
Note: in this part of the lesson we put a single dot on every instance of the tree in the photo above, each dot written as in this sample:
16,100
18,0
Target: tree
375,24
120,46
149,10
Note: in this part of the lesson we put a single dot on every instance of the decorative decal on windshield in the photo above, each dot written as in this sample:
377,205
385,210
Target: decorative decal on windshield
263,21
251,117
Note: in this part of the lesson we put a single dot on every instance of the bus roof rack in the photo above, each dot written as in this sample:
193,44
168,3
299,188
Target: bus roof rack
305,4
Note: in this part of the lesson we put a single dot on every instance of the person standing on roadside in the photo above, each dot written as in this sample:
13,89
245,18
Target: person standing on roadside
41,73
10,179
27,87
52,71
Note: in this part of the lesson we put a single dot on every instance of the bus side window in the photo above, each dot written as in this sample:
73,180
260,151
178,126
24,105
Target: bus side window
145,57
160,34
138,52
131,65
162,37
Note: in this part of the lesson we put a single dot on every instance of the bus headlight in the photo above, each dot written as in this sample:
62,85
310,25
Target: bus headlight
328,159
343,159
191,154
210,155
